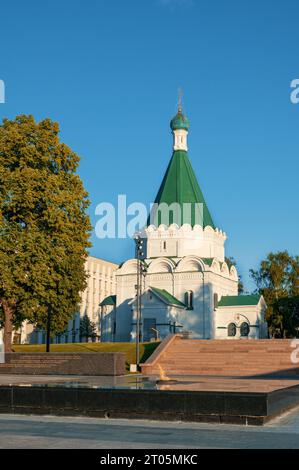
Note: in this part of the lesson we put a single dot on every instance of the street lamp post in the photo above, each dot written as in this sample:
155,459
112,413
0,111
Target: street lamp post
48,330
139,257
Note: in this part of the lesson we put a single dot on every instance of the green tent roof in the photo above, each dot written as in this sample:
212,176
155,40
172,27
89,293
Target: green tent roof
167,297
239,300
110,300
180,186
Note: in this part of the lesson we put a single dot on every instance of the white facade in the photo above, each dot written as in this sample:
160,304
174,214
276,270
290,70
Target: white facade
100,283
204,277
185,274
208,280
180,139
182,241
229,320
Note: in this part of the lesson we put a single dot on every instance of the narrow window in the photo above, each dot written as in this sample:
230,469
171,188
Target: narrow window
245,328
215,301
231,330
189,299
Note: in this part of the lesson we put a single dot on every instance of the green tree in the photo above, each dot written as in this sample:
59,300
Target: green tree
230,261
88,328
284,317
277,278
44,227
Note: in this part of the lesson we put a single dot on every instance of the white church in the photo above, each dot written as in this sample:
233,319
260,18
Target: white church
187,285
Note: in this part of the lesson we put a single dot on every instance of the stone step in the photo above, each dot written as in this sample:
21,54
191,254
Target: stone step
223,357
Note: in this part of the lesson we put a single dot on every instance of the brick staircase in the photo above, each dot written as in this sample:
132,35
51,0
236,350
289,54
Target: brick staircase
178,356
64,363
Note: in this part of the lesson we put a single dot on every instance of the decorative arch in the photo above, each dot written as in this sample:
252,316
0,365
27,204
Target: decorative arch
173,227
216,266
233,273
225,269
161,265
197,229
129,267
186,228
209,230
151,228
190,263
240,318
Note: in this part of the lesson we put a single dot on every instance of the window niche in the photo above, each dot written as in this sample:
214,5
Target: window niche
189,299
231,330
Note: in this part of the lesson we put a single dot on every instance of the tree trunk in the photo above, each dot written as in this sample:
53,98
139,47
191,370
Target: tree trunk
8,326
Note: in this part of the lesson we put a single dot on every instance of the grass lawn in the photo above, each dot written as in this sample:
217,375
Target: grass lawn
146,349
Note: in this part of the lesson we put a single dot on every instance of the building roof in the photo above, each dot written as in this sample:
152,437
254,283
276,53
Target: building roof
180,186
167,297
102,261
239,300
208,261
110,300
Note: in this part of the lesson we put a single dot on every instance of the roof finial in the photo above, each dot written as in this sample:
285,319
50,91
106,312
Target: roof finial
180,95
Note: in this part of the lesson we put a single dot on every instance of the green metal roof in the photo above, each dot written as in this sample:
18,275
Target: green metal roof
110,300
208,261
239,300
180,186
167,297
179,121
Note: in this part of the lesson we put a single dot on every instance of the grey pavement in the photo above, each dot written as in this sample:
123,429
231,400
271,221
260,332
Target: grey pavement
36,432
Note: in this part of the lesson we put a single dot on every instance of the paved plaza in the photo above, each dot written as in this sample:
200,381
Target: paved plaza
19,431
33,432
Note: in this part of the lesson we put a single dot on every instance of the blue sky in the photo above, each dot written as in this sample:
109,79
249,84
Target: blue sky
109,73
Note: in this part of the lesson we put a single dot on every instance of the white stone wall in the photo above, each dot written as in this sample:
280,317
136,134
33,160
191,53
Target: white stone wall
180,139
251,314
182,241
177,276
108,323
101,283
152,307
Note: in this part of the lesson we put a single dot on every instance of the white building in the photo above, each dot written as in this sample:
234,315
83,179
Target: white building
187,285
100,284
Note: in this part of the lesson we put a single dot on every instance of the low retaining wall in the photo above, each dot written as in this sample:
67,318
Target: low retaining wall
214,407
64,363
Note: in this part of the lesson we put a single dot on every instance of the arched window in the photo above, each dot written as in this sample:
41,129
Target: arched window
244,329
231,330
189,299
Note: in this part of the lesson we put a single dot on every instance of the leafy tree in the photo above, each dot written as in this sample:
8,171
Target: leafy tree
284,317
230,261
88,328
278,278
44,228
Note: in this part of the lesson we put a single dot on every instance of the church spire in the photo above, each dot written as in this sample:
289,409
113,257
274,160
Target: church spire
180,184
179,126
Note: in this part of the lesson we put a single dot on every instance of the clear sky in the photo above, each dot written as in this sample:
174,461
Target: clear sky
109,71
